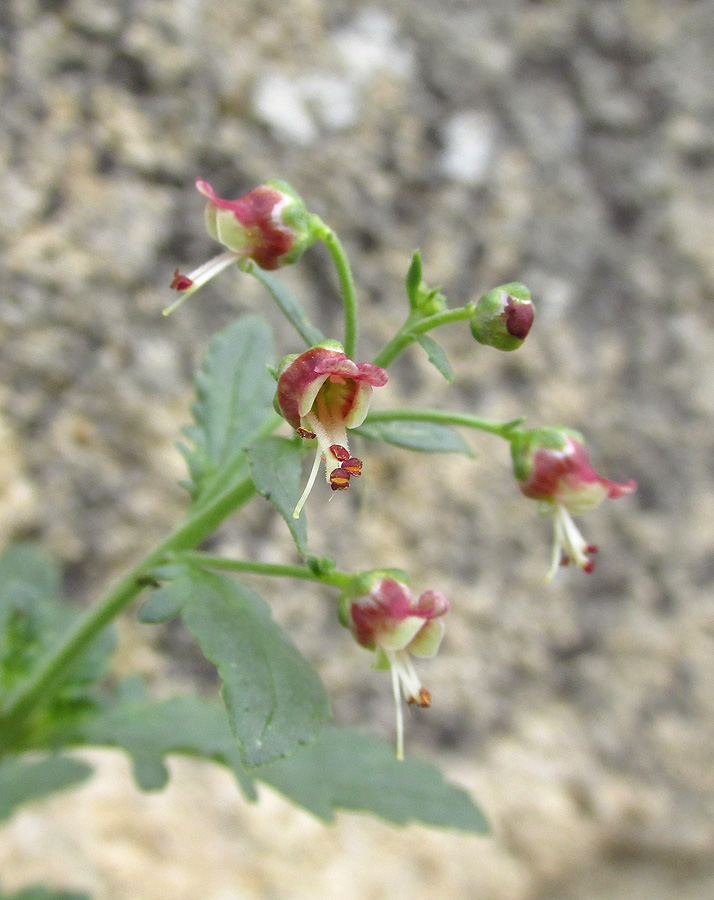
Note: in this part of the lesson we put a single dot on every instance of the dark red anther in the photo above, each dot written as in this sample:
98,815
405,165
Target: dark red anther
591,548
353,466
306,433
181,282
589,566
340,480
339,452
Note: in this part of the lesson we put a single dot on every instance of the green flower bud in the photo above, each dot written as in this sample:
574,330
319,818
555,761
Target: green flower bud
503,317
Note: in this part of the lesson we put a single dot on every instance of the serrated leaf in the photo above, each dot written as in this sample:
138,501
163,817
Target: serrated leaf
289,306
275,699
149,732
39,892
276,470
23,779
348,770
437,356
426,437
413,280
234,398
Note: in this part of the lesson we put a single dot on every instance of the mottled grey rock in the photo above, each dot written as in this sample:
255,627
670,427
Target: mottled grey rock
569,145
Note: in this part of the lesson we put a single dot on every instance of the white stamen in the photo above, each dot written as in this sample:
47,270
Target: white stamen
308,486
567,542
399,714
201,275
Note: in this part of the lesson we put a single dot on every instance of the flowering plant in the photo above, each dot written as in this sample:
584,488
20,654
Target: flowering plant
253,424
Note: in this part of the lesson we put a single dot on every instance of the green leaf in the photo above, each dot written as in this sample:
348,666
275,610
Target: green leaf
28,577
426,437
23,779
437,356
165,602
234,399
275,699
343,769
346,769
288,305
414,280
39,892
33,618
149,732
276,470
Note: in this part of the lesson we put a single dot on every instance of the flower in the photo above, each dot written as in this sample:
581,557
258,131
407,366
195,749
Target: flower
269,225
503,317
322,393
387,619
553,467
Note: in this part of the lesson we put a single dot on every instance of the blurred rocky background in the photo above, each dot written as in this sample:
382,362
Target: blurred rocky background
567,144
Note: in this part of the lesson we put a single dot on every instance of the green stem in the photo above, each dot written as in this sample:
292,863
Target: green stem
441,417
47,676
347,285
413,326
334,578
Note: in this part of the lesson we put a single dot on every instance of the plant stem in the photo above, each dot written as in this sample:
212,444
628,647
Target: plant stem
333,578
48,674
413,326
347,285
441,417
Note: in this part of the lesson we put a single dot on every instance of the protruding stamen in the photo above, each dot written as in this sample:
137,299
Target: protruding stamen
189,284
308,486
399,714
181,282
306,433
339,479
339,452
423,699
353,466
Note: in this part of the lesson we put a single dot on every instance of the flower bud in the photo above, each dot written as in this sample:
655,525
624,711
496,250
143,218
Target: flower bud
270,224
503,317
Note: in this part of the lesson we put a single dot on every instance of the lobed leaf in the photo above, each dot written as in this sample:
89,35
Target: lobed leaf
342,769
149,732
275,699
349,770
23,779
